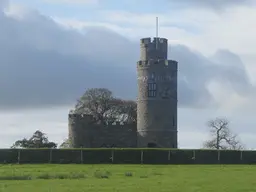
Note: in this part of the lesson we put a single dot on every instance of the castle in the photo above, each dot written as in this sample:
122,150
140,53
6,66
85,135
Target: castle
156,107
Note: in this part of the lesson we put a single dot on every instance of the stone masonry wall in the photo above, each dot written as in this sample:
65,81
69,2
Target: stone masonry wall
83,133
157,96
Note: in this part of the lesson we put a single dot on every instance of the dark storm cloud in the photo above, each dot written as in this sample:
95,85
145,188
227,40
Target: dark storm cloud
211,4
43,64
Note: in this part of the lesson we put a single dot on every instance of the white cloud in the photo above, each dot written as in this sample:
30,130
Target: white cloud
81,26
217,5
87,2
19,12
46,37
249,60
226,98
22,124
203,30
53,65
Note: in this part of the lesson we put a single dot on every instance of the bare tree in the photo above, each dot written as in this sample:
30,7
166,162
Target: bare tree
221,136
104,107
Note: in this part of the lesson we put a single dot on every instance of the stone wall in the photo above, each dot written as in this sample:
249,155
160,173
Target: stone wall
157,96
156,107
84,133
154,49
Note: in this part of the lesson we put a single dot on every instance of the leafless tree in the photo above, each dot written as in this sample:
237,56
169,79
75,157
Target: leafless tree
104,107
221,136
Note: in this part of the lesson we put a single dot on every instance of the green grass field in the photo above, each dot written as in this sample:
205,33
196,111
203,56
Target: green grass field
127,178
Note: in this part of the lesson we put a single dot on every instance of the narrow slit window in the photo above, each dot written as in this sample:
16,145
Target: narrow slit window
151,89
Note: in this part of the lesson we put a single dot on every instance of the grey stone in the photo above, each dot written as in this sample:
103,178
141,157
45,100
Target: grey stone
156,107
156,113
84,133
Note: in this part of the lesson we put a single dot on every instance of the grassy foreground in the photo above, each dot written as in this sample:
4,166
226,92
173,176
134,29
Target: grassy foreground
127,178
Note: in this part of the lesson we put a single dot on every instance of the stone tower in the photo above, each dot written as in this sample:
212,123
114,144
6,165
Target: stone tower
157,95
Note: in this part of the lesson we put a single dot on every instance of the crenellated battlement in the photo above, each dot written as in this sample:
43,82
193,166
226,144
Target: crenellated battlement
80,118
83,131
155,48
157,95
156,107
149,40
88,119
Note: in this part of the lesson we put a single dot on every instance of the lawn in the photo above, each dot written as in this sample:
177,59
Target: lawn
127,178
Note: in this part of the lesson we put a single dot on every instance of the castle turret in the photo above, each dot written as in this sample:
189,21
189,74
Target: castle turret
78,130
157,95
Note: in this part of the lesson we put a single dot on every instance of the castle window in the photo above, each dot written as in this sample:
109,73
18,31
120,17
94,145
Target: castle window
153,76
151,89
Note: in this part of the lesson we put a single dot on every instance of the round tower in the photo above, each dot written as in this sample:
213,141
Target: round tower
78,130
157,95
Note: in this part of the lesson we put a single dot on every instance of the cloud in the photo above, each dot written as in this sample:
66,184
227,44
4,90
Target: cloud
87,2
211,4
199,29
43,63
3,5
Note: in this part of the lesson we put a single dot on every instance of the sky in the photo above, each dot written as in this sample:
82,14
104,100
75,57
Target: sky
51,51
